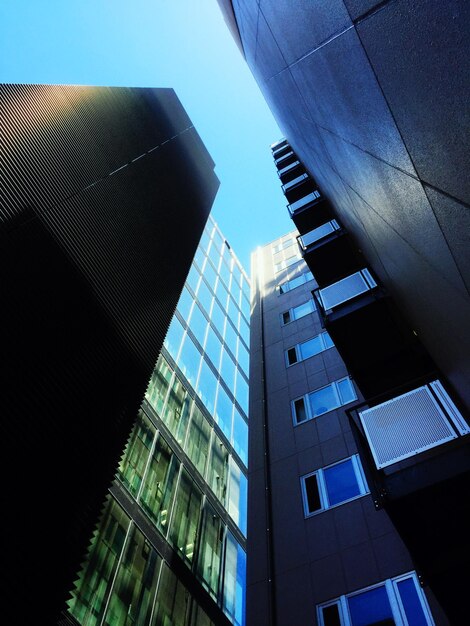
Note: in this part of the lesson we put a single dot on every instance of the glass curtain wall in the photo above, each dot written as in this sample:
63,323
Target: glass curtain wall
185,464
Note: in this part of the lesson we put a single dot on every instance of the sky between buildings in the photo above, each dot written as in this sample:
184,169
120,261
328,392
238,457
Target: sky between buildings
183,44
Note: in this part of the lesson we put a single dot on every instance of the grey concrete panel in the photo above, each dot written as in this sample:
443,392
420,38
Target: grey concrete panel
357,8
360,567
350,524
454,220
322,536
296,374
314,364
281,431
378,521
419,52
334,449
317,380
269,57
257,604
276,375
309,460
328,426
301,26
391,555
291,586
328,579
306,436
347,99
257,550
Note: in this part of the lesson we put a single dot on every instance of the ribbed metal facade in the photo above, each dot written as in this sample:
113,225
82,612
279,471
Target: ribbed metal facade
104,195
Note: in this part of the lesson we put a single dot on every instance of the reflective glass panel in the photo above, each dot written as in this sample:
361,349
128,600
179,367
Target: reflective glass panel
246,307
206,387
231,338
210,550
197,443
411,602
227,370
158,385
303,309
172,602
237,496
189,360
242,393
240,436
218,318
218,469
159,485
341,482
176,414
323,400
224,272
222,294
210,276
136,581
235,581
213,347
223,413
205,297
243,358
185,303
173,338
193,278
245,332
346,391
132,465
232,312
311,347
214,255
198,324
185,517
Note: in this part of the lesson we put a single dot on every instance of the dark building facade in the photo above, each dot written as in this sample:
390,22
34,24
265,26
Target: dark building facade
372,98
105,193
170,547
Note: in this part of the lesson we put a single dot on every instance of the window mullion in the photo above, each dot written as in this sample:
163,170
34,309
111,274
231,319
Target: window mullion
322,490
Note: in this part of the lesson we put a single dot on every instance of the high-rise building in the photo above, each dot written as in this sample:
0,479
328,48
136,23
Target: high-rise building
357,442
105,193
170,547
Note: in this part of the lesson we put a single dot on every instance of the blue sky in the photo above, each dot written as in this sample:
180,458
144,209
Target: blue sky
183,44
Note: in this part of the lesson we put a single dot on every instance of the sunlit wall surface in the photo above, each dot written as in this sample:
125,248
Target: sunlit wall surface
181,488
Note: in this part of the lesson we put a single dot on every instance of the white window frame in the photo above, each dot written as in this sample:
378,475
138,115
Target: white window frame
298,349
286,282
396,604
306,399
292,310
287,243
287,262
322,488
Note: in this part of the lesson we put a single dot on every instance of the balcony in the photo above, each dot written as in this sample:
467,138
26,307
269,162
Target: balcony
283,159
289,168
278,145
329,253
294,182
281,151
414,448
380,351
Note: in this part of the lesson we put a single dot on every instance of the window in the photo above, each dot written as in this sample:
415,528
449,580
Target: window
399,601
297,312
285,263
282,245
333,485
322,400
346,288
306,349
295,282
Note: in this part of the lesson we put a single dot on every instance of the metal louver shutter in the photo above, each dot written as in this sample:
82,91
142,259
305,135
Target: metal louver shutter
404,426
343,290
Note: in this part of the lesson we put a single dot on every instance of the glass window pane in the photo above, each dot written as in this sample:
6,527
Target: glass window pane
300,410
214,255
231,338
197,443
198,324
237,496
331,615
176,414
218,318
193,278
243,358
210,550
189,360
206,387
312,492
323,400
235,581
411,602
132,465
232,312
173,338
205,297
245,332
91,591
159,485
213,347
185,517
158,385
240,436
311,347
218,469
371,607
246,306
224,272
346,391
227,370
223,413
173,601
205,239
210,276
327,341
341,482
303,309
241,393
222,294
136,581
291,356
185,303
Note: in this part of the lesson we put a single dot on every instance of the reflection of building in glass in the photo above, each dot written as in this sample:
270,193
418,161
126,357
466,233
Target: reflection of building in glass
171,545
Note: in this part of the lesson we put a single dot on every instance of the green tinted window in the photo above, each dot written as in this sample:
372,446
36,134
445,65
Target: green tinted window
185,518
176,414
136,580
210,550
172,603
197,444
218,469
132,465
89,597
159,485
158,385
